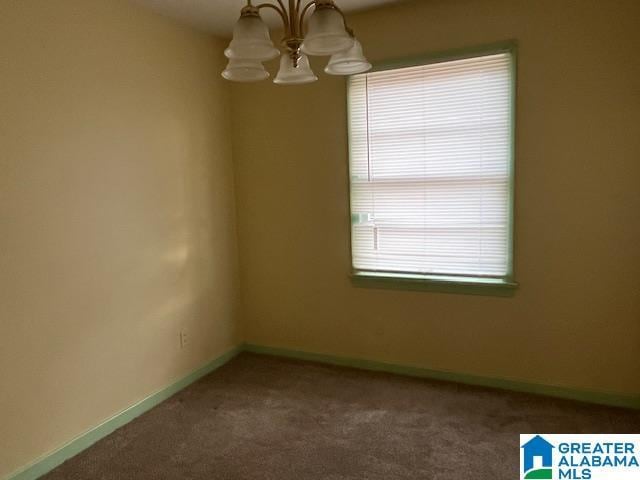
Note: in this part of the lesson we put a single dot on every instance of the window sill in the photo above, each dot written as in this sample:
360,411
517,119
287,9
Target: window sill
428,283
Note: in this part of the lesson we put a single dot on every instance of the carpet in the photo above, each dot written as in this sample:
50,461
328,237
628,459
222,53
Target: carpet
261,417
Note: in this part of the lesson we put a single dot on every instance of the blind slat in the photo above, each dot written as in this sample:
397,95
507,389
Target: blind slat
430,150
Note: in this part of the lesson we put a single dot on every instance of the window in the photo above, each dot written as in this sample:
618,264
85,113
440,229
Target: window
432,172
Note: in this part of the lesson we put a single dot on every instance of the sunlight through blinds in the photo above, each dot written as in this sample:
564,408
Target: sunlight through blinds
430,150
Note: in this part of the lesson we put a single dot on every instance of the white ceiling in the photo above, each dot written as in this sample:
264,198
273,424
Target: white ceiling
219,16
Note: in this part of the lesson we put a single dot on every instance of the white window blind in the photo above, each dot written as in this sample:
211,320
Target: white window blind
430,150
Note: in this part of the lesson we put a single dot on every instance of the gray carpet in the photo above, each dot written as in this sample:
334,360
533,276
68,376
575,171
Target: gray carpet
266,418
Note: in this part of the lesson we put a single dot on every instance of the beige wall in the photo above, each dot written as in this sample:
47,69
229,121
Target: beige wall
117,210
575,321
116,214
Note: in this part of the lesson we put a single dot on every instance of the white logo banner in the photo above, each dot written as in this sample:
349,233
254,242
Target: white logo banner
579,457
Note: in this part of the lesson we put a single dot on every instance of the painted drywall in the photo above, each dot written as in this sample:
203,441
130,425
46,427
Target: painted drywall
575,320
116,214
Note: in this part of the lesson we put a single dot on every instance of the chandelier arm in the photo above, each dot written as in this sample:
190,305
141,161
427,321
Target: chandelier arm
287,25
344,18
293,19
298,8
303,12
282,13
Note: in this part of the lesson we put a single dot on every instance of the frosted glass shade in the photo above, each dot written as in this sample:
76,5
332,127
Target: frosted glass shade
290,75
245,71
349,62
326,34
251,40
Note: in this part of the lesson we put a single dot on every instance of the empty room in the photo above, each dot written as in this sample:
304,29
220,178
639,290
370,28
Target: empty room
320,239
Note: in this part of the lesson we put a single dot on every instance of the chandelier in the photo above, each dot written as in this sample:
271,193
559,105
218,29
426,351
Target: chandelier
326,34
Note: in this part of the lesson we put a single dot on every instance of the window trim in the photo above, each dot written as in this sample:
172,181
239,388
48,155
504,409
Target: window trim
472,285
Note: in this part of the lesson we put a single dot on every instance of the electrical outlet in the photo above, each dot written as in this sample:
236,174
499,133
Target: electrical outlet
184,339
